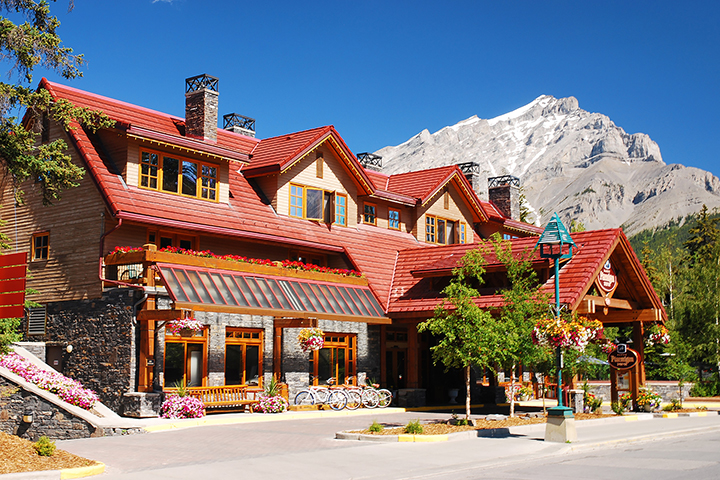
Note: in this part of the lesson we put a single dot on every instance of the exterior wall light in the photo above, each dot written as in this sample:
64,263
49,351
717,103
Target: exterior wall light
27,416
69,349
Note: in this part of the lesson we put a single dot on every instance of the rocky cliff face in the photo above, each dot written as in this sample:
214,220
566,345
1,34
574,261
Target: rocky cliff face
570,161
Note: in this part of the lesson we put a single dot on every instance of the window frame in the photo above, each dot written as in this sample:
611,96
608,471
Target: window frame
437,220
300,193
391,220
204,187
35,248
462,233
245,342
195,338
367,215
338,205
334,342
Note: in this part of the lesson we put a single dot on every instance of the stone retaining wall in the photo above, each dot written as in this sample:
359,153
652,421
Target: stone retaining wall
48,419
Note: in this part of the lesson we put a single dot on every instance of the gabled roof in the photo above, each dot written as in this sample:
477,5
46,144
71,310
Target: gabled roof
278,154
154,126
413,292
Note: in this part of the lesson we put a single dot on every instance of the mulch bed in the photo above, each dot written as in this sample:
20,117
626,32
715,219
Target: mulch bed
444,428
18,455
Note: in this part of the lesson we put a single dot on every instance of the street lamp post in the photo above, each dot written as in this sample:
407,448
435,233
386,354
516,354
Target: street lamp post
555,243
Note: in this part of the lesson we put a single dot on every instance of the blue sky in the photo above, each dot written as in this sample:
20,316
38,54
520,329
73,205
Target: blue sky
383,71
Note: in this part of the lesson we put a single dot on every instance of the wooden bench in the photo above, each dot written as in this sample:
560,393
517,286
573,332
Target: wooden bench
227,397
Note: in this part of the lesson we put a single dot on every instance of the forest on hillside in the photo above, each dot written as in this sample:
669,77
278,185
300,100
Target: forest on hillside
682,261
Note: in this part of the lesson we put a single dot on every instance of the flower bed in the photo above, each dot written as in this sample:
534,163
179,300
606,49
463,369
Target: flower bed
176,406
66,388
306,267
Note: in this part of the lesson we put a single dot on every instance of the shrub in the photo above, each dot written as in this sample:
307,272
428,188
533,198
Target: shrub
617,408
414,428
175,406
376,427
674,405
44,447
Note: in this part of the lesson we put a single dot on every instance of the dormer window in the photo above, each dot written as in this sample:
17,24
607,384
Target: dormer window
317,204
179,176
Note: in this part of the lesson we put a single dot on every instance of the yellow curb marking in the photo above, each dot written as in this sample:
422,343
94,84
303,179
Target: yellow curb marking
670,415
81,472
631,418
422,438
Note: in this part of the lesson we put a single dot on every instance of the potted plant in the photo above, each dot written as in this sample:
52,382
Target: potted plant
648,400
524,393
184,326
271,401
311,339
179,404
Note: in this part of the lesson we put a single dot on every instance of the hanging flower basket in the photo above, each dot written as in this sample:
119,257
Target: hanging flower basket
184,325
575,333
311,339
657,334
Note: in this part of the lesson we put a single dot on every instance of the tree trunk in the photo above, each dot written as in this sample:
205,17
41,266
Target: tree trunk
512,391
467,392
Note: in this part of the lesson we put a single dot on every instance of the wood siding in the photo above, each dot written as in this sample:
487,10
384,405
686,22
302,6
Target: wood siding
74,224
457,211
335,178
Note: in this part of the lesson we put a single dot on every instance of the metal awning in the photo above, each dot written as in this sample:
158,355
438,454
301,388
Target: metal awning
231,291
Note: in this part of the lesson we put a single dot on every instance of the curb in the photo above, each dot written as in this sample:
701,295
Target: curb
403,437
262,417
65,473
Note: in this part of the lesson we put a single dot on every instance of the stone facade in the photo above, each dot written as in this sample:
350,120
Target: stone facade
102,335
667,390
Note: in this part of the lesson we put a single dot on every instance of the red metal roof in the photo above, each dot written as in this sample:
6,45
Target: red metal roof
414,294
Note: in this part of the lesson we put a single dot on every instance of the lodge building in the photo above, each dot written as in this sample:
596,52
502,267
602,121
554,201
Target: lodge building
111,266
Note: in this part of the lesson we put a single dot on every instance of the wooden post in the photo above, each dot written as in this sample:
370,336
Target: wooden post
277,353
383,355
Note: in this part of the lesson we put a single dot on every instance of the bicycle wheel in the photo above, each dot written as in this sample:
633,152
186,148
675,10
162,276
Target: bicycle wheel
337,399
385,398
305,397
370,398
354,399
321,395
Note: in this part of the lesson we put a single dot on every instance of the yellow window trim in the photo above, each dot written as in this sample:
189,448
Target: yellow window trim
374,215
179,158
304,216
399,219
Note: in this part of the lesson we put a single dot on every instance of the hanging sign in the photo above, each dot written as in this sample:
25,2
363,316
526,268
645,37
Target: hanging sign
623,361
607,279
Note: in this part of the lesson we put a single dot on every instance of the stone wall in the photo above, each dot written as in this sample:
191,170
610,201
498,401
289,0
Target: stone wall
48,419
101,333
668,390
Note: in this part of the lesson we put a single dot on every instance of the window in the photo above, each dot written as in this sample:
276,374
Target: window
173,175
317,204
394,219
243,356
40,246
335,360
340,209
369,214
443,231
185,358
169,239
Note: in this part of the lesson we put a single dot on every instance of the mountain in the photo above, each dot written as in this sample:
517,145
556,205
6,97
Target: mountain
570,161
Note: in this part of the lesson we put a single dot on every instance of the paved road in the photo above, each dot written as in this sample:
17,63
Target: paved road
303,449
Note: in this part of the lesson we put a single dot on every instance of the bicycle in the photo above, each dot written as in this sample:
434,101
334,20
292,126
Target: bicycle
322,395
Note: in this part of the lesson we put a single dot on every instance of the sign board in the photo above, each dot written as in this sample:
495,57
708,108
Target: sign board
607,279
13,268
623,361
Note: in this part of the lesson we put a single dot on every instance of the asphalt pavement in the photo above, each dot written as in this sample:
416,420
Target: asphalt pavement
301,445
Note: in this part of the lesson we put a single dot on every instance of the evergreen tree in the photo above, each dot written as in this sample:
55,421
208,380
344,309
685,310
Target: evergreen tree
703,235
25,46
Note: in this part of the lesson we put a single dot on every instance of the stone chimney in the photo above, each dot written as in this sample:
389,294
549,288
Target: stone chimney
370,161
201,107
504,193
471,170
239,124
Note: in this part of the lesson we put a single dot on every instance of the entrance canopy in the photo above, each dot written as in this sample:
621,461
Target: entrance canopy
208,289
